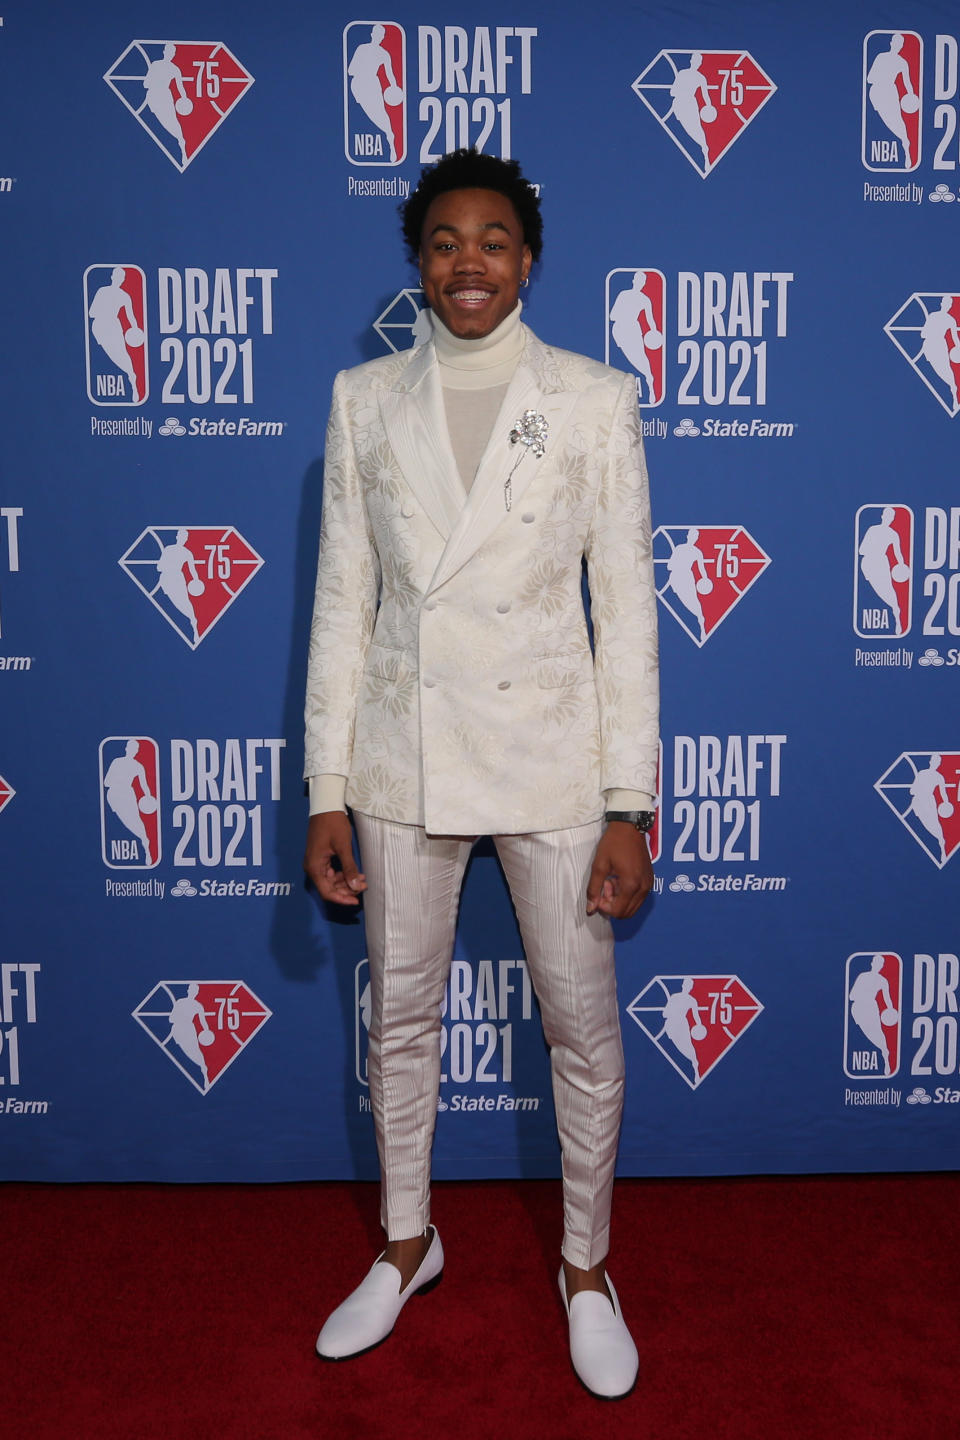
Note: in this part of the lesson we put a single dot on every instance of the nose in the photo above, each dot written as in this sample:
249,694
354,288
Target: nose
470,260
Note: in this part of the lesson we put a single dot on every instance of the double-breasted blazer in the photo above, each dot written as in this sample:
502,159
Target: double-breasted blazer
451,678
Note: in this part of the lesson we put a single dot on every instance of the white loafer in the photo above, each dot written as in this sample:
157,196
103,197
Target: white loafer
601,1347
368,1315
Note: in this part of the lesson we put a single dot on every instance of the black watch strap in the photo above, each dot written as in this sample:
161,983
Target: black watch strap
640,819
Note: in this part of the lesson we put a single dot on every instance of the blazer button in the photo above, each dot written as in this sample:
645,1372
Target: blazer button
430,605
504,685
503,607
429,684
528,517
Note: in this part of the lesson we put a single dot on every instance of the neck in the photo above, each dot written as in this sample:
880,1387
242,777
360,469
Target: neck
474,364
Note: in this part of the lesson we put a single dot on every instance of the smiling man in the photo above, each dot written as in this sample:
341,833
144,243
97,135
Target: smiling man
452,693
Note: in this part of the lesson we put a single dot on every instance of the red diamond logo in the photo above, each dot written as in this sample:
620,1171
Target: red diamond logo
192,574
703,571
922,788
704,99
7,793
180,91
694,1020
201,1025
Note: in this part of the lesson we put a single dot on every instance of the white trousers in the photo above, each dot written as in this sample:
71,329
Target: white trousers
410,906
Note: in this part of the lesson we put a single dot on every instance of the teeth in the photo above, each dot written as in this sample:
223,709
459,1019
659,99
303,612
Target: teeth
470,294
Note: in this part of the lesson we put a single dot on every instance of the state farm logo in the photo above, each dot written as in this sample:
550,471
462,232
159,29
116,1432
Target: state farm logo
374,93
636,329
694,1020
129,802
201,1025
7,793
892,87
704,99
925,332
180,91
192,574
883,569
872,1015
703,572
922,788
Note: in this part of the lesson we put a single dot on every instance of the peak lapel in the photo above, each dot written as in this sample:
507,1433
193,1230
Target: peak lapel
486,505
416,427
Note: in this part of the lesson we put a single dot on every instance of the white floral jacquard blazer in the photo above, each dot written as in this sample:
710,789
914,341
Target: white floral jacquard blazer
450,673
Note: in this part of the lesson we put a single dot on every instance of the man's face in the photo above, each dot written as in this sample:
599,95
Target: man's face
472,259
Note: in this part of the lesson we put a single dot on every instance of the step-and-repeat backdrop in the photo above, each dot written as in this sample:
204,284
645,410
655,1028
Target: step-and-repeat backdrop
752,207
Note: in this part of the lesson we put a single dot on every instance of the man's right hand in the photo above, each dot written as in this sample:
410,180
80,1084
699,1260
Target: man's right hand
330,840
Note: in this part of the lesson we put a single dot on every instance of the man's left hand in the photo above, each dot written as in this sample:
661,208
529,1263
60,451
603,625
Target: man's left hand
622,875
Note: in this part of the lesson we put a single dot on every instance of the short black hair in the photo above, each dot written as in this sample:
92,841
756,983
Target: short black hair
472,170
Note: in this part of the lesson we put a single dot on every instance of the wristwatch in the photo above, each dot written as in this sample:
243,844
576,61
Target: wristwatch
639,819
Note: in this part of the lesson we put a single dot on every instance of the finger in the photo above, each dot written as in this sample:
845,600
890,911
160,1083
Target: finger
334,887
595,884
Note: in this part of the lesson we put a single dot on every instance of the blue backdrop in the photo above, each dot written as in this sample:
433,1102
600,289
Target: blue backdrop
753,209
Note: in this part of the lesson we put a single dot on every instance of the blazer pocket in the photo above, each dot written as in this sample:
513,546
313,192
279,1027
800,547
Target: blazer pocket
552,671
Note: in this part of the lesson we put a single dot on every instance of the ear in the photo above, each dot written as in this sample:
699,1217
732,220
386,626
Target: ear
526,262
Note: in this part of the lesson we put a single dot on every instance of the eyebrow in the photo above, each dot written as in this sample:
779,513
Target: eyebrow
454,230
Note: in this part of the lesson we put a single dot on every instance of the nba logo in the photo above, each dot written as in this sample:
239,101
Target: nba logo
129,802
922,788
654,836
703,571
882,571
871,1027
115,324
704,99
892,91
180,91
694,1020
202,1025
7,793
361,995
926,331
374,92
635,315
192,574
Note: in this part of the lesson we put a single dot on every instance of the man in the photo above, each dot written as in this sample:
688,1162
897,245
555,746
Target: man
452,693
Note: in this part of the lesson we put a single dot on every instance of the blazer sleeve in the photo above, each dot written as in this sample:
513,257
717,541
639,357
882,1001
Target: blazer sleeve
623,607
345,603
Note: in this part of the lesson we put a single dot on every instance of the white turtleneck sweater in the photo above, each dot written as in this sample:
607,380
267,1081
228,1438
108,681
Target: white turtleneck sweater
474,376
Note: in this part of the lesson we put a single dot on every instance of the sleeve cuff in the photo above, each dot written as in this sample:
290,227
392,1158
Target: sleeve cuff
629,800
327,793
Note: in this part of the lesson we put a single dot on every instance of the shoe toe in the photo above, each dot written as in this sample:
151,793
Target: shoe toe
365,1318
601,1347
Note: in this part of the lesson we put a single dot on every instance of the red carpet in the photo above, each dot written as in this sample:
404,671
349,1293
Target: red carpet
761,1308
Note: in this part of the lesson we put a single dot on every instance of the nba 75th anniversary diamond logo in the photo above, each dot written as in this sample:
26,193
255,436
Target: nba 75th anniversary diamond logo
192,574
7,793
201,1025
704,99
926,331
180,91
694,1020
703,572
922,788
